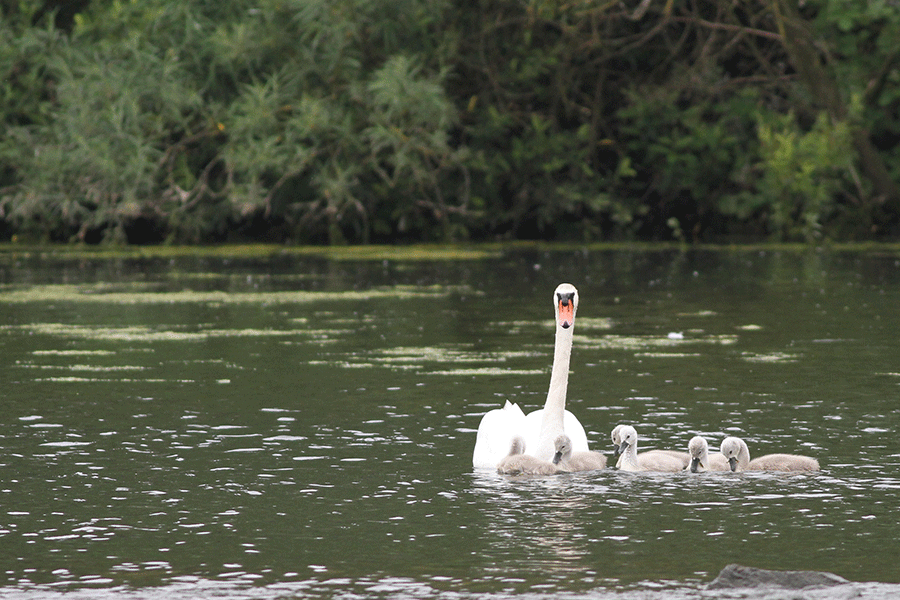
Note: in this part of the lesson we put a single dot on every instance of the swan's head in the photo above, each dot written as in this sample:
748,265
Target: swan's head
563,447
616,436
565,302
699,451
629,438
731,449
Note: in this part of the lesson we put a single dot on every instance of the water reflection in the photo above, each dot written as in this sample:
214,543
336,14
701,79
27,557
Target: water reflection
589,527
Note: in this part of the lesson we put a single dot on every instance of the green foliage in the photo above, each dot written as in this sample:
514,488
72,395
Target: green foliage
406,137
97,163
800,178
528,122
864,39
686,150
333,121
863,42
199,119
802,172
25,94
342,162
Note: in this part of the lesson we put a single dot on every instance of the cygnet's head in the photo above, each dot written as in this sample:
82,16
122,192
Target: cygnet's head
616,434
731,448
565,303
563,446
628,437
616,437
699,451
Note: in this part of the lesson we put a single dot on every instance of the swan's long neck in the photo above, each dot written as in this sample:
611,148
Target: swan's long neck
743,456
555,406
628,460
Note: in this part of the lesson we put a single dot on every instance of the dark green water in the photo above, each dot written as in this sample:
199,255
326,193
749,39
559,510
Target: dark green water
298,426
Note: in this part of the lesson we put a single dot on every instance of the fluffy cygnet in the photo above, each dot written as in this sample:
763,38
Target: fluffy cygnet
702,460
567,460
519,463
616,436
735,450
655,460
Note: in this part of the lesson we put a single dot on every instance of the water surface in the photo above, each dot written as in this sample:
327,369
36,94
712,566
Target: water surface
293,425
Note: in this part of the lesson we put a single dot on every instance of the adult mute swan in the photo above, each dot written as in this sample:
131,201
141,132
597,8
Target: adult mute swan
570,461
702,460
519,463
654,460
541,427
738,455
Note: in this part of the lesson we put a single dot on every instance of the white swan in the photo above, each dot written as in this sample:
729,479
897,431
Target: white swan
539,428
616,436
702,460
496,432
519,463
654,460
570,461
738,455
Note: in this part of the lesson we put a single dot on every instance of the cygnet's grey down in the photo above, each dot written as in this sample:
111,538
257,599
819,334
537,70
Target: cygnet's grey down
616,436
519,463
655,460
735,450
702,460
683,457
567,460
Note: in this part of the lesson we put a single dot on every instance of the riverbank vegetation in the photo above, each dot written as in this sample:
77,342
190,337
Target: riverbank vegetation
386,121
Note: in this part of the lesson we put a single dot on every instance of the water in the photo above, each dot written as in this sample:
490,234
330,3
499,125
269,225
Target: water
299,426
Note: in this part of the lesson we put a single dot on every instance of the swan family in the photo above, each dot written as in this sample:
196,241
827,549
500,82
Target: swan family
540,428
564,459
551,440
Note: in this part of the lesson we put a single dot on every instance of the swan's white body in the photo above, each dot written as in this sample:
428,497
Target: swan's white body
541,427
496,432
570,461
738,455
702,460
654,460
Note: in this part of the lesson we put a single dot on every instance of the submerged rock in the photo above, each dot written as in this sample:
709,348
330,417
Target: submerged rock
738,576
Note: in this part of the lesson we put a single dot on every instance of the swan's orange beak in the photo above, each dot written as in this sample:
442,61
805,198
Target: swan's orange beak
566,311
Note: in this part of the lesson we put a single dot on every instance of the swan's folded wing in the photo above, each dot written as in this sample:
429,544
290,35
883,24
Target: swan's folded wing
496,431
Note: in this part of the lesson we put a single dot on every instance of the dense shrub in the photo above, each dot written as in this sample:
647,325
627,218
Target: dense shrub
333,121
